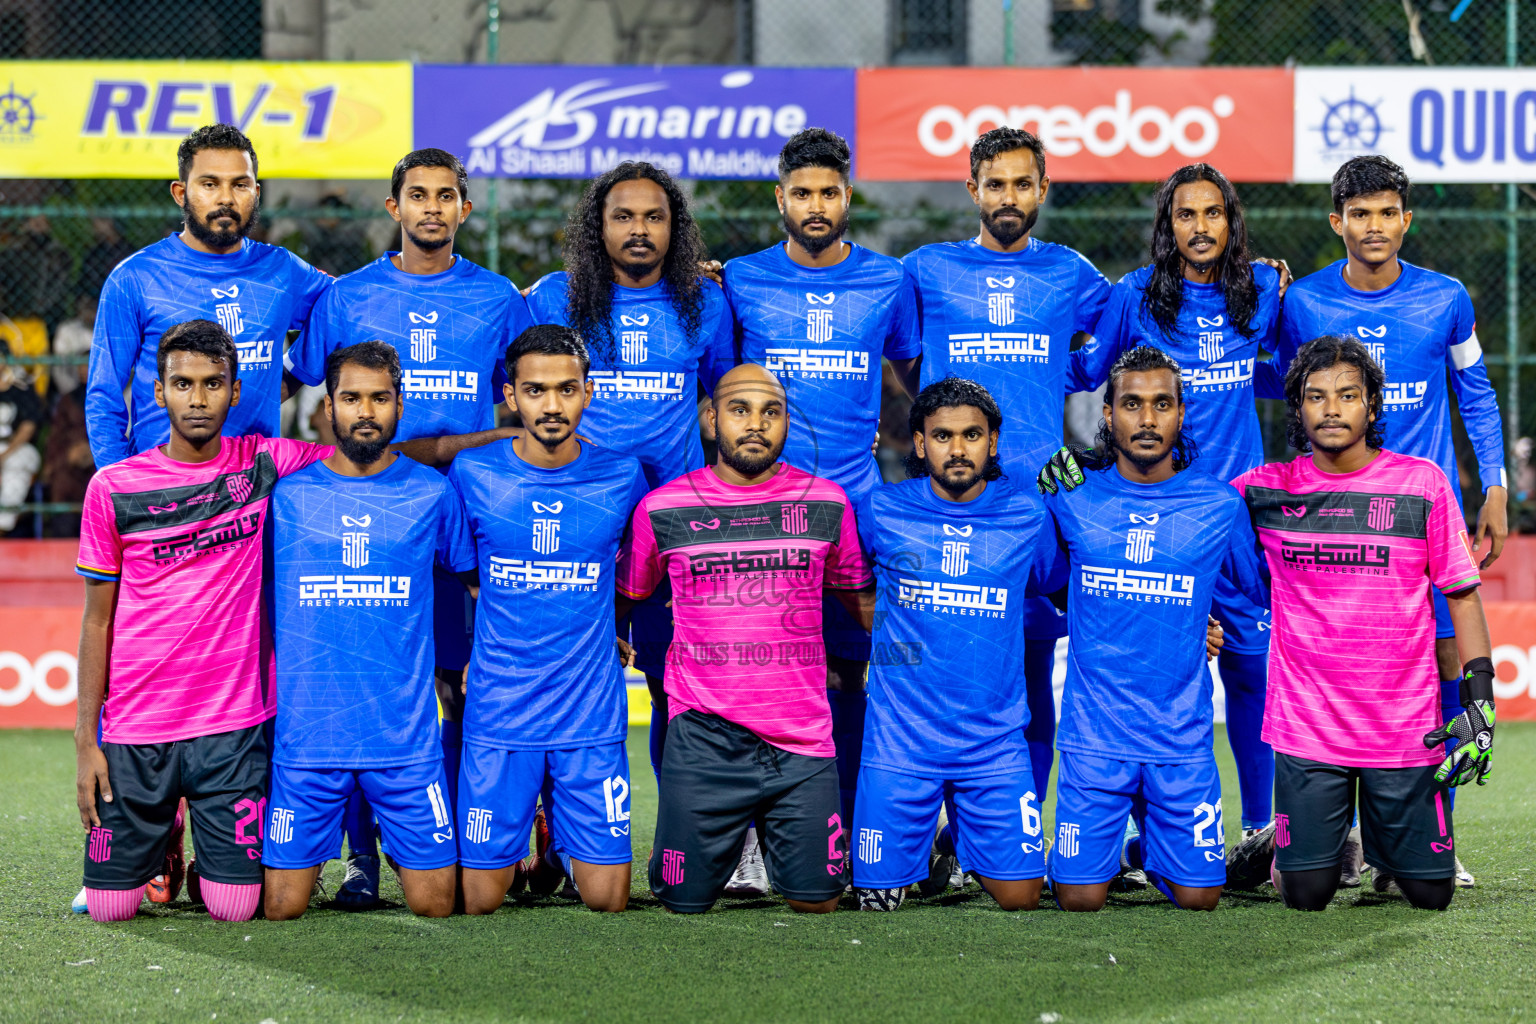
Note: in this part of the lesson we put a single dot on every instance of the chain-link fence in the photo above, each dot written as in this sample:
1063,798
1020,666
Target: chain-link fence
60,237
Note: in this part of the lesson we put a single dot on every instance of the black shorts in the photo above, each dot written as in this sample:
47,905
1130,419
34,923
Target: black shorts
716,777
223,777
1405,817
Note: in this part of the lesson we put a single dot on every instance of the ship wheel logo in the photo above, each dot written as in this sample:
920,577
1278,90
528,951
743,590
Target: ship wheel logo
16,114
1351,124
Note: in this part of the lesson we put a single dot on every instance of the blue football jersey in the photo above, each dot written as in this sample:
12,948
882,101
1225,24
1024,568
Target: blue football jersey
257,294
946,680
1144,561
1418,328
644,393
1006,321
823,332
545,673
451,330
1217,361
352,623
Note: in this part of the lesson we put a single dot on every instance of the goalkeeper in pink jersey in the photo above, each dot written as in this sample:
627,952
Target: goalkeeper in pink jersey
1356,537
749,545
175,655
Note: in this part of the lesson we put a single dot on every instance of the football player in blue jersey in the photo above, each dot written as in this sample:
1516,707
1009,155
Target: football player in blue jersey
1420,326
545,711
658,331
954,549
209,270
1002,309
1206,302
451,321
1146,541
356,707
819,313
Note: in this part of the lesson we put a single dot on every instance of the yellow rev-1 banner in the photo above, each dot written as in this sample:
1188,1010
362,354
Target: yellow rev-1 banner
124,119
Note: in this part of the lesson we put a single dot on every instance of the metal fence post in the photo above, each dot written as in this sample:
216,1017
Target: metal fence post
1512,262
492,216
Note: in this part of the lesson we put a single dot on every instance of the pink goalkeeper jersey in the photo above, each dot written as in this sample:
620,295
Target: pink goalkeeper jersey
748,566
191,649
1352,557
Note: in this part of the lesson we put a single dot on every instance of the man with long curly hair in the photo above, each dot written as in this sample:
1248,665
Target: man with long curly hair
1211,306
656,331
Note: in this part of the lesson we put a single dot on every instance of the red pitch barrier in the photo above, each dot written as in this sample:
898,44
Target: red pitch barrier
41,600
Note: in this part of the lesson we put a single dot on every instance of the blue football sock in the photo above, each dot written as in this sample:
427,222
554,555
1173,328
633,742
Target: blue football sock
1244,677
452,734
848,737
1450,707
1040,733
358,825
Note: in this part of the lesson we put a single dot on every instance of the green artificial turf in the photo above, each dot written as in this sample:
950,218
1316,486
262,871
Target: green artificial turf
956,957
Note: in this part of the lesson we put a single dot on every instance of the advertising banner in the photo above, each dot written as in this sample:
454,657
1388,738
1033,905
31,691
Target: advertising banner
1441,124
565,121
124,119
1097,123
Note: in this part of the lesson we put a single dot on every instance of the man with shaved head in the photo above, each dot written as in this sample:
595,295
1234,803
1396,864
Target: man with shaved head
749,545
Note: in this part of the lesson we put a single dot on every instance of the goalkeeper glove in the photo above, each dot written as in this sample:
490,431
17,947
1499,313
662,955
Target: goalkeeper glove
1062,470
1472,757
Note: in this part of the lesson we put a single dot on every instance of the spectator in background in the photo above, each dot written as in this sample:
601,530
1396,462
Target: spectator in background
107,250
24,336
337,244
37,274
21,414
73,338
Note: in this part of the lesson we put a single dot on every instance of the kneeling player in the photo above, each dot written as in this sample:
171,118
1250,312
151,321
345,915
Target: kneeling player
545,709
355,539
956,552
1354,534
749,545
1146,544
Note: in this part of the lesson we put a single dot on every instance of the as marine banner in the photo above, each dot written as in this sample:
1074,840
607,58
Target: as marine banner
124,119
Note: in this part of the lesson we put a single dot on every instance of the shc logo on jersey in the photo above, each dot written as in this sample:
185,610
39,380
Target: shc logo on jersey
1066,839
1381,515
956,558
1138,541
354,543
423,339
615,792
1378,351
672,867
869,845
1000,304
101,845
793,517
818,322
546,536
239,487
478,825
634,346
281,829
1211,338
228,314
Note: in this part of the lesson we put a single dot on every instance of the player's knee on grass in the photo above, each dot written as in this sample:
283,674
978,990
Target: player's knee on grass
1191,898
286,893
1428,893
485,889
1081,898
603,887
429,893
1308,890
802,907
1021,894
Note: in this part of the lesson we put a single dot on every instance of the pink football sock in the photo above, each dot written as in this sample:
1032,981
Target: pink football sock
113,904
230,902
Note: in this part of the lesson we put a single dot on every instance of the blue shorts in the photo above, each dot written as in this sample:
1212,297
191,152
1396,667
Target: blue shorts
1244,621
453,620
410,803
586,800
844,637
1443,628
1176,806
996,822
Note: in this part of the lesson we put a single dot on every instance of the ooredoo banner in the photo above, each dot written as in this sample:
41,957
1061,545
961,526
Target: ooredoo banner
1441,124
1097,124
565,121
124,119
